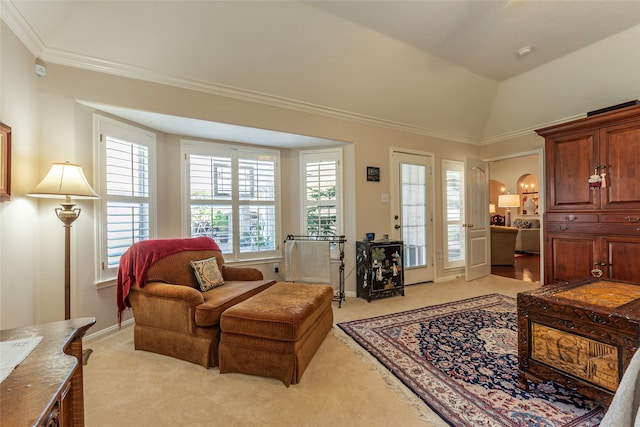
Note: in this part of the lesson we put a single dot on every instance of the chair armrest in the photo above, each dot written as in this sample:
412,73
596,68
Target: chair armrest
529,239
189,295
166,306
241,273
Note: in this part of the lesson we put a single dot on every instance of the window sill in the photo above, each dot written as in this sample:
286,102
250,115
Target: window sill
103,284
109,283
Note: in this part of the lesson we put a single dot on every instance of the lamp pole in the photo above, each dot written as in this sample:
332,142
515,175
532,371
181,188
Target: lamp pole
67,214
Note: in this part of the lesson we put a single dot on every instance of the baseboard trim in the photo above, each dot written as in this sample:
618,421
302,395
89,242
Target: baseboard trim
107,331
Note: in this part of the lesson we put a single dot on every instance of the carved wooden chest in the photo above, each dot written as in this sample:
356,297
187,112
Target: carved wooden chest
582,335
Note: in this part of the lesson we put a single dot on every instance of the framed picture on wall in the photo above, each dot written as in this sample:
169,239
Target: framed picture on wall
373,173
5,162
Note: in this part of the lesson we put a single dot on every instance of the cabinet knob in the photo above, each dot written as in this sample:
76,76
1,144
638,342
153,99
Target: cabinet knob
571,217
561,227
629,219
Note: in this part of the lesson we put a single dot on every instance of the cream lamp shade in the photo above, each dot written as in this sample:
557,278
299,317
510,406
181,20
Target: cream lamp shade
64,180
492,208
508,201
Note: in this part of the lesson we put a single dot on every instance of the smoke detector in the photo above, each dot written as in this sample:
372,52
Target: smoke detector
524,51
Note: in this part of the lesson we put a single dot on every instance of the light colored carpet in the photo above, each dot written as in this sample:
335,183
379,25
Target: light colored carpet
343,385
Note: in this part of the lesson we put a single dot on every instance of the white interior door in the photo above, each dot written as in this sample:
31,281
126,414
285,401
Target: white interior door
412,213
478,232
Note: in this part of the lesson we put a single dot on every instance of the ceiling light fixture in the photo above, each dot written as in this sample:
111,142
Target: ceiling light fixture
524,51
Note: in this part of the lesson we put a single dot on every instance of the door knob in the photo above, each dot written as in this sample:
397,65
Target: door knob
396,226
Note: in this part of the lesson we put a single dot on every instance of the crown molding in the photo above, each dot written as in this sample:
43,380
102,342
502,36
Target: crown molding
138,73
35,45
527,131
21,28
28,37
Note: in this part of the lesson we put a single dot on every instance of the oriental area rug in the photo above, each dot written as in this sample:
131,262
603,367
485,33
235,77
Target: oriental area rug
460,358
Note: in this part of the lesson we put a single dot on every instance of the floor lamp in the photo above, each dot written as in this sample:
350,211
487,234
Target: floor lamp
508,201
65,180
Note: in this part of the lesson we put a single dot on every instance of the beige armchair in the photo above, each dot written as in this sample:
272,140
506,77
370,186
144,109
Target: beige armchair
503,245
173,316
528,238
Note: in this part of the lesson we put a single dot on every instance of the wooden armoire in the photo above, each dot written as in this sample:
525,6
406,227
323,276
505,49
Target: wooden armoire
592,217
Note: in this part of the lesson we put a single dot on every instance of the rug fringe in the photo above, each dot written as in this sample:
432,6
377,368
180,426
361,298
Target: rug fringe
424,412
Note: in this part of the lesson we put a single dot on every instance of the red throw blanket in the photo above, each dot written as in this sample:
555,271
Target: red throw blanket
135,262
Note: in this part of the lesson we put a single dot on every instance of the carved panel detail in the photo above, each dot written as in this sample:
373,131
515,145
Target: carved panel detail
584,358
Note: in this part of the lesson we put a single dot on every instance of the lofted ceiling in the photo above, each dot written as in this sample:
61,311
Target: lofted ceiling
432,67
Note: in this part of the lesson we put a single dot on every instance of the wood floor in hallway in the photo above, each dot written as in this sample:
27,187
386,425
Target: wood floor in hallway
527,268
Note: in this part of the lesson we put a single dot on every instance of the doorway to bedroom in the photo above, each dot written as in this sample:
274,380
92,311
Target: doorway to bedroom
520,175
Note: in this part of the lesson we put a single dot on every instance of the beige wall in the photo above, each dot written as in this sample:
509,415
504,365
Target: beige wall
20,223
49,125
64,132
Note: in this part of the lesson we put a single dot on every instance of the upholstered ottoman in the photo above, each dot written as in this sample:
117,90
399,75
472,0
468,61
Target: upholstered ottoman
276,332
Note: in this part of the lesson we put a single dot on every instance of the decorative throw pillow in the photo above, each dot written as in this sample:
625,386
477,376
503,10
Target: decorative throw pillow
207,273
521,223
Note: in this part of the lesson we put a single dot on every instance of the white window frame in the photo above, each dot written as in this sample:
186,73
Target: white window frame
195,147
455,166
106,126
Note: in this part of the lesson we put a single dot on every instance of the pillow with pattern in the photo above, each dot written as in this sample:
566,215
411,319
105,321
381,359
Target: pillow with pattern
207,273
521,223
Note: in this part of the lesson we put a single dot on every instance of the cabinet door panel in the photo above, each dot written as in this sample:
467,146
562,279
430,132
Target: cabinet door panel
569,163
620,153
569,257
622,255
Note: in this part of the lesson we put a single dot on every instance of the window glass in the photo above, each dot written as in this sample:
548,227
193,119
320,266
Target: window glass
454,244
232,198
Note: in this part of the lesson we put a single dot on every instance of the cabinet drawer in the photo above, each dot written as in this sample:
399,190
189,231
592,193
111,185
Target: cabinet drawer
594,228
571,217
620,229
568,227
624,218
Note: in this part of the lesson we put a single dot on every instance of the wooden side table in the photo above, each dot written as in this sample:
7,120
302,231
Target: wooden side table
581,335
46,389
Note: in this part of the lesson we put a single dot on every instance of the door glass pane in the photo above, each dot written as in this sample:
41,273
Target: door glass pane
413,182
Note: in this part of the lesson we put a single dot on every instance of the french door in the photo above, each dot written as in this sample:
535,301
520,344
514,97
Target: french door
412,213
477,236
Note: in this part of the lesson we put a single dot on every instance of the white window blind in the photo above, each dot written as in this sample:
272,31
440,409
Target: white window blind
322,184
127,177
127,202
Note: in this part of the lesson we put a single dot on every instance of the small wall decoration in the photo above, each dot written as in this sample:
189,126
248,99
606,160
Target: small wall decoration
598,180
5,162
373,173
